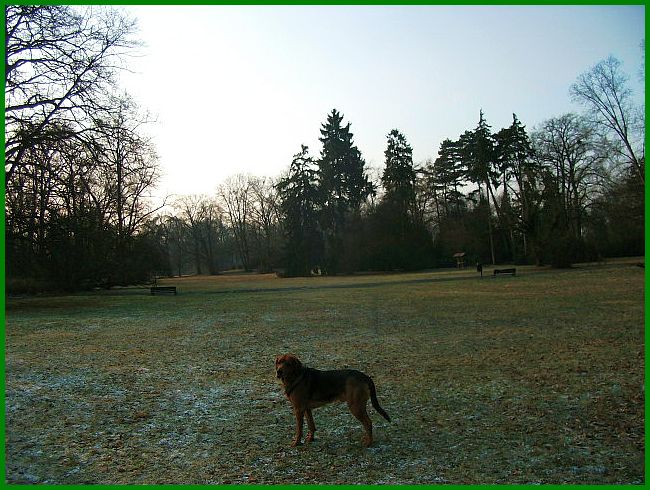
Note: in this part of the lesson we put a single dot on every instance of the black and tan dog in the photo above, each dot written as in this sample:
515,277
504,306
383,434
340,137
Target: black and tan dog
308,388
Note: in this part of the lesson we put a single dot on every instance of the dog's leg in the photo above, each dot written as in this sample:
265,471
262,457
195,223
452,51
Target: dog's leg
358,409
310,425
300,414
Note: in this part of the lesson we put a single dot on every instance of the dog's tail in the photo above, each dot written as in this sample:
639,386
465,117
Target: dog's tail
375,402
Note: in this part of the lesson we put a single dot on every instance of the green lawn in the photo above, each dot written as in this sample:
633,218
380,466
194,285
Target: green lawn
530,379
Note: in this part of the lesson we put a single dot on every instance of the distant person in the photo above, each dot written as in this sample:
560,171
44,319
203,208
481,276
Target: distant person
479,268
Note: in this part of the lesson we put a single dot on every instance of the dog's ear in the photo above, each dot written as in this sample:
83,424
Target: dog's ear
294,362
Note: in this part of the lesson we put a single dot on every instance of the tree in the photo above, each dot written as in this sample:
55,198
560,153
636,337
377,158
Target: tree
60,64
75,150
198,229
129,164
173,238
62,215
236,198
343,187
517,170
399,176
265,220
445,176
616,219
126,171
478,153
569,148
341,169
603,90
299,204
394,234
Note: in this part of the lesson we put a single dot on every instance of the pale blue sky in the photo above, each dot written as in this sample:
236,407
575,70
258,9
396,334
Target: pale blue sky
239,89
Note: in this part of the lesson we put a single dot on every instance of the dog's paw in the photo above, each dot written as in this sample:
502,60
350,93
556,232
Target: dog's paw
295,443
309,438
367,441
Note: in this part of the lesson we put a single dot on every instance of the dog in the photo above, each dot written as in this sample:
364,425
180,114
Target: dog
307,388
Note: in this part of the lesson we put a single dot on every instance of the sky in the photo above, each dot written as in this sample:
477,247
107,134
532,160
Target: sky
237,89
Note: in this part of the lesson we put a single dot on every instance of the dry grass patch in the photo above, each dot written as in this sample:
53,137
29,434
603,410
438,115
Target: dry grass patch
531,379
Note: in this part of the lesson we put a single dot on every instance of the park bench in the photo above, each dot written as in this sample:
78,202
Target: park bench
163,290
512,271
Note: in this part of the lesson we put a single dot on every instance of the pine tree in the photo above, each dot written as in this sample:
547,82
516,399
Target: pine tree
299,204
399,176
401,240
514,162
479,155
343,187
446,176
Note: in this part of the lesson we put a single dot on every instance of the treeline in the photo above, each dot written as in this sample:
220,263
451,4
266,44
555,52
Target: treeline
562,194
237,228
78,170
79,173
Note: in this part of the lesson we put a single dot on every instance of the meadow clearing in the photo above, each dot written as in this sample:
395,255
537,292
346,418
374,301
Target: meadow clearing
537,378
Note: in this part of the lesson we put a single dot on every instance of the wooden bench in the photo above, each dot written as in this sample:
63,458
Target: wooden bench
512,271
163,290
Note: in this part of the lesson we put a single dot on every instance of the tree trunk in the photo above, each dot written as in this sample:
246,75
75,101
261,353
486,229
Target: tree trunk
489,218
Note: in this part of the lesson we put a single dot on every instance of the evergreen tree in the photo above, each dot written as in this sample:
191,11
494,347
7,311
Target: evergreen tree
517,170
399,238
399,176
478,150
343,187
395,213
479,154
299,204
446,176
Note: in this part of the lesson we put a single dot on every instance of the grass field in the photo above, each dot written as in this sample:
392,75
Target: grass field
537,378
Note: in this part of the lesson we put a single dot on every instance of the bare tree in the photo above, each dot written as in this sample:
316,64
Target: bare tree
78,170
60,63
173,237
203,227
265,218
190,209
32,196
212,233
570,148
604,91
128,165
236,195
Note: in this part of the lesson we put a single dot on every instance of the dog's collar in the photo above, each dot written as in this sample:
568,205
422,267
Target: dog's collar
293,385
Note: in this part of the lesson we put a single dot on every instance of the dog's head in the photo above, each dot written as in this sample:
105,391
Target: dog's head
286,366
